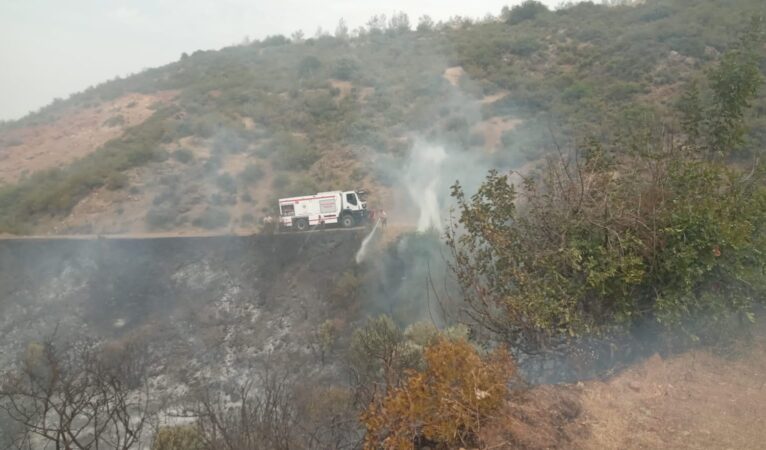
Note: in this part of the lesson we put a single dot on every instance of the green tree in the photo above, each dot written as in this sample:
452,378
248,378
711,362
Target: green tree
528,10
658,233
690,108
734,84
379,353
308,66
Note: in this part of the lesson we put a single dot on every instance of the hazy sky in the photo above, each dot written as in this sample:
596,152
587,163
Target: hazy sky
53,48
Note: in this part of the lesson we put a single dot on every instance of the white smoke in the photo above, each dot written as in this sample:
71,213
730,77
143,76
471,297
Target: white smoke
423,182
429,172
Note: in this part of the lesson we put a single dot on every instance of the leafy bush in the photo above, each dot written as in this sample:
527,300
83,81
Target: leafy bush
180,437
114,121
345,68
226,183
212,218
345,290
380,354
183,155
308,66
280,181
446,404
524,46
292,153
116,181
656,13
579,258
161,218
528,10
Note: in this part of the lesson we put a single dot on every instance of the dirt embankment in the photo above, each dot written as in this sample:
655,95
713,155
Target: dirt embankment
695,400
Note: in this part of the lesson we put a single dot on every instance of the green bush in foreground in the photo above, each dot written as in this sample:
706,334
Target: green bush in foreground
602,243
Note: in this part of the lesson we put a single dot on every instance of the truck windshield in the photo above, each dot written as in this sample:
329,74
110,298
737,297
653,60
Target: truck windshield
351,198
288,210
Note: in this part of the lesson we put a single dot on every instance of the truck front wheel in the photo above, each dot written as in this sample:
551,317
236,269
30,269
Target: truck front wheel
301,224
347,221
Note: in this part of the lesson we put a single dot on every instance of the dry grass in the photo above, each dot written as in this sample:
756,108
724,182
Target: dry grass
696,400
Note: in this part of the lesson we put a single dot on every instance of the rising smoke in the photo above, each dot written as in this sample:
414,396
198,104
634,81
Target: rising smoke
430,170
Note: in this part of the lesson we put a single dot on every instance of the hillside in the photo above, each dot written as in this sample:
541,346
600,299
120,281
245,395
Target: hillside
575,256
209,141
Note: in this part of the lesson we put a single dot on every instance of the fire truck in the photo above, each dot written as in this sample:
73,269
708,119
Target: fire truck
347,208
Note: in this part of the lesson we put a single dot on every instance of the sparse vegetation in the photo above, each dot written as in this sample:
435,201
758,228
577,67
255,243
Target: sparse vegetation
183,155
212,218
115,121
57,191
251,174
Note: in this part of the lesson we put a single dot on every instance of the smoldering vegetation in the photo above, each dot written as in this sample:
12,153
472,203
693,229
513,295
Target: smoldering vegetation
196,314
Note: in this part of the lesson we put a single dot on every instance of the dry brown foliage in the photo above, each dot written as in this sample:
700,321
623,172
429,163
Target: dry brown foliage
446,404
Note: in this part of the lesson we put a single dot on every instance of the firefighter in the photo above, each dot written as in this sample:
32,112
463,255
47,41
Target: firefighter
383,218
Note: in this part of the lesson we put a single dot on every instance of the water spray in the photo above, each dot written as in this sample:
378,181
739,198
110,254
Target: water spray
362,253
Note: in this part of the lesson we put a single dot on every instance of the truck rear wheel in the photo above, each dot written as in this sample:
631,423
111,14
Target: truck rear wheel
301,224
347,221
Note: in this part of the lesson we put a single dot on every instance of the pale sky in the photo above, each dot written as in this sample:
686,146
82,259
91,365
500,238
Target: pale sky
53,48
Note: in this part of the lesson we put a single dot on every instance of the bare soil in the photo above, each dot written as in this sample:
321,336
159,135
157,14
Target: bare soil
454,74
493,129
489,99
695,400
343,86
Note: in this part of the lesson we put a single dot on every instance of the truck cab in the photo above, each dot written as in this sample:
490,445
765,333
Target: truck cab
354,206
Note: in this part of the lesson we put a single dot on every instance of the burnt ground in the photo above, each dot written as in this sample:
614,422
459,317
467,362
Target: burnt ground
205,307
218,309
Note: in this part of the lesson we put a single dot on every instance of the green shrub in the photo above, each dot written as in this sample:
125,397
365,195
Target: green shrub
183,155
180,437
221,199
116,180
114,121
212,218
291,153
345,68
280,181
528,10
308,66
524,46
252,173
161,218
226,183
